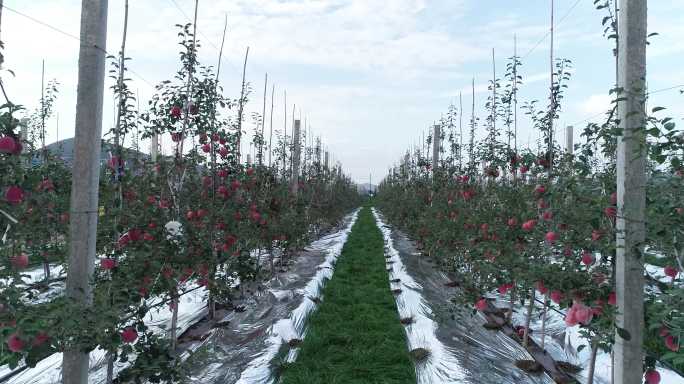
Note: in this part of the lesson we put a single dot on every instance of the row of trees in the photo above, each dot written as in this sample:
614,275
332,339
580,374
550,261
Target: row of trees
574,226
161,226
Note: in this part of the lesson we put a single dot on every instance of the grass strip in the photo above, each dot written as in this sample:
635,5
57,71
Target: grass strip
355,336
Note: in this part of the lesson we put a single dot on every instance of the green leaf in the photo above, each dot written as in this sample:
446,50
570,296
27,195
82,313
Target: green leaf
623,333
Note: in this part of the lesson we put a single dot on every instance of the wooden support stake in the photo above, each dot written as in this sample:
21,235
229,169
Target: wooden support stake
294,183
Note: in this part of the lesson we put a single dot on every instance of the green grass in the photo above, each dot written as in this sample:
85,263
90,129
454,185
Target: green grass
355,336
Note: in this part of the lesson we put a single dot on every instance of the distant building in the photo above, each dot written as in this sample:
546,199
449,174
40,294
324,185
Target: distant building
366,189
64,149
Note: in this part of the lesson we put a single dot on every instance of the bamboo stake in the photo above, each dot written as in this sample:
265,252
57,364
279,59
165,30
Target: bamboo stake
294,186
460,132
592,362
263,123
528,317
270,134
552,95
285,136
241,108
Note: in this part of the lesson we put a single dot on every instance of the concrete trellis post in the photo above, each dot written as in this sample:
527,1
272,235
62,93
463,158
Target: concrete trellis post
84,190
631,192
569,143
296,155
435,148
154,147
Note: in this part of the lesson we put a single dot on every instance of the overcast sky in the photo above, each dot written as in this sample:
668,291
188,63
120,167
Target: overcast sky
369,75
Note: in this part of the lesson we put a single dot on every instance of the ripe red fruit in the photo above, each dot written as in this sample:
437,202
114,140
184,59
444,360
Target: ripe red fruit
503,288
255,216
235,185
551,237
612,298
547,215
223,191
540,189
201,213
7,144
578,314
542,204
652,377
596,235
250,171
672,343
152,225
107,264
481,305
135,234
541,288
40,339
587,258
468,194
167,272
129,335
15,343
148,237
610,212
524,169
46,185
176,137
190,215
529,225
223,151
512,222
556,296
124,240
206,148
176,112
671,271
520,330
222,173
20,261
14,195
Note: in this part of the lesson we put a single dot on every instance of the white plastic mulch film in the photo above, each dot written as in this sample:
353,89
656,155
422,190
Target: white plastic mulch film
251,349
461,349
247,350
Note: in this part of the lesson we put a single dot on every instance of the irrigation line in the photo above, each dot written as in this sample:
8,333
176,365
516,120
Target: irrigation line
649,93
56,29
208,40
555,27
